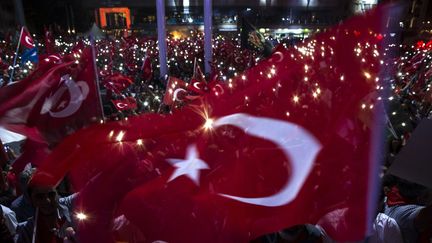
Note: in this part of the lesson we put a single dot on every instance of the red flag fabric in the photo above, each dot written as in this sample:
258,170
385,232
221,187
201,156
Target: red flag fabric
3,65
200,86
33,152
146,69
56,99
291,141
26,39
125,104
176,90
198,74
49,42
79,46
51,59
198,82
116,82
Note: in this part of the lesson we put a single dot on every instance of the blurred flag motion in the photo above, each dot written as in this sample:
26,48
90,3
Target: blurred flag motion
288,142
59,97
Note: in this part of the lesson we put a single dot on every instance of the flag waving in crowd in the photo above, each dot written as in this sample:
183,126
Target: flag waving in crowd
289,142
146,69
30,53
26,39
49,41
58,98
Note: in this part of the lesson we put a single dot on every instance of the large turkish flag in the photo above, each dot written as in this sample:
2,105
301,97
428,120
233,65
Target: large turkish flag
291,141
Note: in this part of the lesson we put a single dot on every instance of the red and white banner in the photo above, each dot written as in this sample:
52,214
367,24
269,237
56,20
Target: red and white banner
125,104
55,99
116,82
26,39
290,142
176,91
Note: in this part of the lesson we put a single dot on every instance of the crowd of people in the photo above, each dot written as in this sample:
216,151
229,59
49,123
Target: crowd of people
33,209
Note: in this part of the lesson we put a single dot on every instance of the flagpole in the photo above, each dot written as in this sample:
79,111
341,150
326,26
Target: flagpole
160,9
194,67
92,41
16,55
207,35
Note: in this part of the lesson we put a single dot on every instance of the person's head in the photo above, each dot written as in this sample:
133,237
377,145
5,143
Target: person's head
408,190
43,194
24,178
306,233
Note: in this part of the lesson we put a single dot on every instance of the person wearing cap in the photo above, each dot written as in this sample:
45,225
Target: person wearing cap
52,221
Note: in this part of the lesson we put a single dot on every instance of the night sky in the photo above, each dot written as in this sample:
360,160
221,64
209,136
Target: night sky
57,12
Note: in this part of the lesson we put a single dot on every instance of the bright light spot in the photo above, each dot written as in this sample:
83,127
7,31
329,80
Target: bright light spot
120,136
111,133
363,106
139,142
208,124
403,124
81,216
296,99
367,75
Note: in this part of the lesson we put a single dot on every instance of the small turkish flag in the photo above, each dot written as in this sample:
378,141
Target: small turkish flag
49,41
146,69
125,104
26,39
176,90
117,82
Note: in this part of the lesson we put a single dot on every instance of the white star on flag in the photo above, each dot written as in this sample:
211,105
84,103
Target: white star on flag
190,166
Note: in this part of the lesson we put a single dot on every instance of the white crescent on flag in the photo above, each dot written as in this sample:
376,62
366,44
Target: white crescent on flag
78,93
298,144
279,56
219,89
197,85
121,105
176,92
29,41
